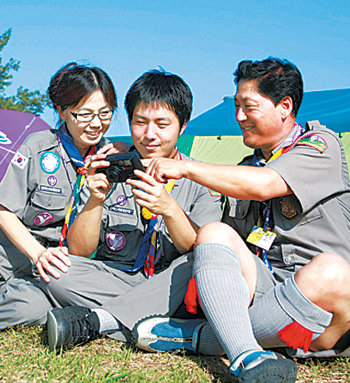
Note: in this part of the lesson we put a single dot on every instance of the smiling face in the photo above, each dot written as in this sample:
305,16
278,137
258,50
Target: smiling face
155,130
264,125
86,134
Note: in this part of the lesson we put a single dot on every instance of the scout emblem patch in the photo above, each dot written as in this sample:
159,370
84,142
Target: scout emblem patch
315,141
121,200
287,208
19,160
52,180
50,162
115,240
43,219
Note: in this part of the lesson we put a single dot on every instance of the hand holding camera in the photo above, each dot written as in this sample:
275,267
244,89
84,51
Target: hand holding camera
122,166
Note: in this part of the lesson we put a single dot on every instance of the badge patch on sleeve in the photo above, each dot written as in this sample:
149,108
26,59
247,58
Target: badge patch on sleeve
19,160
315,141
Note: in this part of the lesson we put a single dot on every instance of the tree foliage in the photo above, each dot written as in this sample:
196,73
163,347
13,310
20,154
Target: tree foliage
25,100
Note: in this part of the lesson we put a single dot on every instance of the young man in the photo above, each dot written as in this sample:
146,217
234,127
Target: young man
140,231
276,273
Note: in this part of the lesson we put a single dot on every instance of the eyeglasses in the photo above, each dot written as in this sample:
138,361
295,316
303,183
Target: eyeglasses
88,117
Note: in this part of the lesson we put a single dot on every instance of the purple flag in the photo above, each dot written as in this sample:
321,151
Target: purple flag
15,126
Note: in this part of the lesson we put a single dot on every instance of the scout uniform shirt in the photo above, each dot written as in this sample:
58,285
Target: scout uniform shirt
37,187
123,226
316,217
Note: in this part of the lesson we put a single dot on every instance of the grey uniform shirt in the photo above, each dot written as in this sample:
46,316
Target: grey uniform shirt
123,226
37,187
316,217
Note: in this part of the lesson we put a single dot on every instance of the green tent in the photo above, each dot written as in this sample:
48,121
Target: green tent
215,136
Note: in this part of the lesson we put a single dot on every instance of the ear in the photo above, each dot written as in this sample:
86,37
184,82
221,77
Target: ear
286,105
182,130
61,113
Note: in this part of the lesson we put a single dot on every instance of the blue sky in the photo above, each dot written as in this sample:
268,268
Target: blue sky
202,41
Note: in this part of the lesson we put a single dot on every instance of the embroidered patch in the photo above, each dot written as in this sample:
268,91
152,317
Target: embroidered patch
50,162
52,180
4,139
287,208
50,189
19,160
122,210
315,141
43,219
121,200
115,240
214,193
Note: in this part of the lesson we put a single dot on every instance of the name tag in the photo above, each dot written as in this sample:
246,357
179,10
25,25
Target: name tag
122,210
261,238
50,189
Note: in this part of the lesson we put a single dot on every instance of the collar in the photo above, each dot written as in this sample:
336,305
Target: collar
66,141
294,134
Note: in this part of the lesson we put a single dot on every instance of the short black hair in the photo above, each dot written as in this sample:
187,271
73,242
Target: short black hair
276,79
71,83
161,88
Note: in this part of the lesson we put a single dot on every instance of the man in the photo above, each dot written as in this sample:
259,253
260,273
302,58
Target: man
276,273
140,231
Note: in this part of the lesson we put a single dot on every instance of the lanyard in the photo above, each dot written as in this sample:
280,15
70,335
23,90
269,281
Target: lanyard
148,255
149,239
265,219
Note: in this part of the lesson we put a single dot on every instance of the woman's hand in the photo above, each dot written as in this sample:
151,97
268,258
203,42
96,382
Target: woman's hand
98,183
52,256
113,148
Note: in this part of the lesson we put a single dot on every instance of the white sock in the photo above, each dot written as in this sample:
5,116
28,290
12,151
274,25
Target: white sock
108,323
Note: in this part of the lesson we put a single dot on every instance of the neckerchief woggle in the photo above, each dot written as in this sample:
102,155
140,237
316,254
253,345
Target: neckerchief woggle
265,219
82,165
147,256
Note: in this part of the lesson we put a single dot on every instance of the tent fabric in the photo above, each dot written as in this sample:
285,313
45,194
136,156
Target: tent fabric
330,107
15,126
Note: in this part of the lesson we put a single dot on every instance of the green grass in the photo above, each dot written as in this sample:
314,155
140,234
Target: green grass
24,357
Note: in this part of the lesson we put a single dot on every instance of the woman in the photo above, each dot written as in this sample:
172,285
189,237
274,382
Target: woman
46,184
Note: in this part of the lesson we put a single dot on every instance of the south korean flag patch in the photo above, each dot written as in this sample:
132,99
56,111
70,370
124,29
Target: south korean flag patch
19,160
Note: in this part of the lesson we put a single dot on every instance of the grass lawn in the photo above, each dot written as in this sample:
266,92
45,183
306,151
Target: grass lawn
24,357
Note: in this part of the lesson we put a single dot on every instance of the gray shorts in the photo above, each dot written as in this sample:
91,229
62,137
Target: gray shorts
267,280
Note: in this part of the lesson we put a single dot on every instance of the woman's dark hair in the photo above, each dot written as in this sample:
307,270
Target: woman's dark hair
276,79
162,88
70,84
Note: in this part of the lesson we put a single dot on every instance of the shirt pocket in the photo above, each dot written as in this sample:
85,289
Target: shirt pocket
299,220
45,209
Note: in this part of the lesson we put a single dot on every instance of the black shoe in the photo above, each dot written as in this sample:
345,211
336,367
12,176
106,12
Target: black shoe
71,325
263,367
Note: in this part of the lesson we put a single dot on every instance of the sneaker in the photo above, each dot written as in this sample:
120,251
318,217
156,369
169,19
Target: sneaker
167,334
71,325
263,366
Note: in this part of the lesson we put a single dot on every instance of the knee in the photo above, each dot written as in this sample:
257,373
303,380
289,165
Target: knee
325,277
217,232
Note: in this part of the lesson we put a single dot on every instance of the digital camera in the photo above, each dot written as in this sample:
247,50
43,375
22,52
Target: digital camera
122,166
